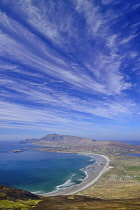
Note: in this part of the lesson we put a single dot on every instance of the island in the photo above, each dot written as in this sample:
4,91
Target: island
16,151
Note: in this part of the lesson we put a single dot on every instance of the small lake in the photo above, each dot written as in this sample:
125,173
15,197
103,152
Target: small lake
136,155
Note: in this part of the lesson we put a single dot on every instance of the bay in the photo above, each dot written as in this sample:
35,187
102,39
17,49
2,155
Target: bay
41,172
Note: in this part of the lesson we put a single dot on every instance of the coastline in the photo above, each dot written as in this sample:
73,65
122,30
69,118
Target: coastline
94,172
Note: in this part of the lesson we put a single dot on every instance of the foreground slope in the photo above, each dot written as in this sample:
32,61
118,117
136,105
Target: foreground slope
11,198
86,203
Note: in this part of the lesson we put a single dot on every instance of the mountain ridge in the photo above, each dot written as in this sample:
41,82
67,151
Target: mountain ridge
68,141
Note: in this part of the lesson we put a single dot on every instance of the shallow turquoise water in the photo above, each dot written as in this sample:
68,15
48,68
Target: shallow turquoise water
42,172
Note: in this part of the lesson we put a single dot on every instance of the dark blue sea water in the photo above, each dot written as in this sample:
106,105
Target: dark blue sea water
40,172
133,142
8,146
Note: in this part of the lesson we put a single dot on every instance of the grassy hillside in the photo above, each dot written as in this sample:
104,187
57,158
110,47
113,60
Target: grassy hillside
122,181
23,200
11,198
86,203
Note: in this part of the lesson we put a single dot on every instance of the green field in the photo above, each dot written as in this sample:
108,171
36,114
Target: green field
122,181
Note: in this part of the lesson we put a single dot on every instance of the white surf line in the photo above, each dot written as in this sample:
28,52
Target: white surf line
106,167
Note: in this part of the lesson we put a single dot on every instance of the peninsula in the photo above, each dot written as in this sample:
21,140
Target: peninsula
74,144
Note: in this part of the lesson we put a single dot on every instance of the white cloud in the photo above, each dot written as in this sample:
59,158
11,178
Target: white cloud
128,39
50,63
95,78
135,6
33,93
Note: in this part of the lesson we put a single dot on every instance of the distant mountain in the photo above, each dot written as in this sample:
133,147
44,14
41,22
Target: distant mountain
60,140
67,141
28,141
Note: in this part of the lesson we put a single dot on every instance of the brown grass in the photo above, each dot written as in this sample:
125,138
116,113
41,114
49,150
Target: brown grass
85,203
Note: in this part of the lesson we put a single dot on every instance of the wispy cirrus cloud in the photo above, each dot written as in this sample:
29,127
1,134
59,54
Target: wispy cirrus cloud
35,93
26,53
63,59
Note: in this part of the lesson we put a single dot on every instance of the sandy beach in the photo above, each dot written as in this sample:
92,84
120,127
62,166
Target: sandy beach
94,172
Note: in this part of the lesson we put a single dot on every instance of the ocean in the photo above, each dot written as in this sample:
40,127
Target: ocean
40,172
133,142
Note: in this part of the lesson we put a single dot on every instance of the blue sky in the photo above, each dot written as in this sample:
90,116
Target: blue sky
70,67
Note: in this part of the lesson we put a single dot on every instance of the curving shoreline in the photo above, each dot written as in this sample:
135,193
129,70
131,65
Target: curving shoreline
93,175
